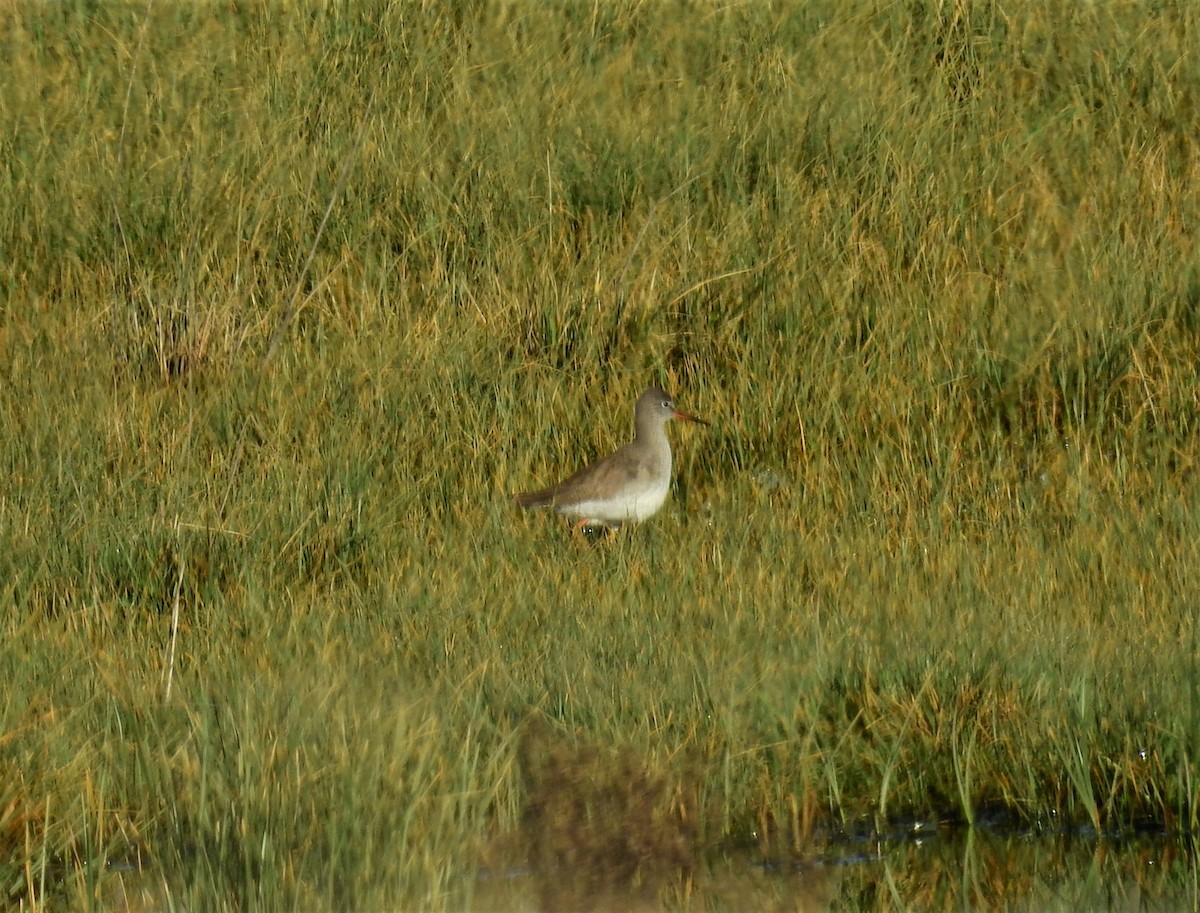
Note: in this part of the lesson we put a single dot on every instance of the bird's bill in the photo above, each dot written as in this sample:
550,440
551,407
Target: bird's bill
684,417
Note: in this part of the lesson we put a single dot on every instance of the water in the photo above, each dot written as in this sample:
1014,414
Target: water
939,871
969,872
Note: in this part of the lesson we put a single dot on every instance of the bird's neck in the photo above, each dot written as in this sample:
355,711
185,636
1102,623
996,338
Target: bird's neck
652,434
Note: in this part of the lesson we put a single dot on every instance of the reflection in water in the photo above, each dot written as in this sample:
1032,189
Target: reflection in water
960,871
604,831
954,870
977,871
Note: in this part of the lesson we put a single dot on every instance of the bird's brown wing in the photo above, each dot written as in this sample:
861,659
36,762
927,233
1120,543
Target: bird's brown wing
593,482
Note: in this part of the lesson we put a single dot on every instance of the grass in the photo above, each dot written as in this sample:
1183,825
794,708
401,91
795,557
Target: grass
293,299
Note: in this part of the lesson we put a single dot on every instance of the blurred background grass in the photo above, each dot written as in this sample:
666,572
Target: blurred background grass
928,268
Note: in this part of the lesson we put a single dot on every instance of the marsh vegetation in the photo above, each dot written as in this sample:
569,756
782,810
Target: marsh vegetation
293,297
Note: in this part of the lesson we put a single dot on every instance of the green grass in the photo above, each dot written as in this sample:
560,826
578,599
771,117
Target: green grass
293,299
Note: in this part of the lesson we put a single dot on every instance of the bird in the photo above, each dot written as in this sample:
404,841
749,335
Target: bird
627,486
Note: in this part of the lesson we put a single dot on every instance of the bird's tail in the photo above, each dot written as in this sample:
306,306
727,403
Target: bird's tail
535,499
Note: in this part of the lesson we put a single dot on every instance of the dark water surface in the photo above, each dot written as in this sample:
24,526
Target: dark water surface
943,870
